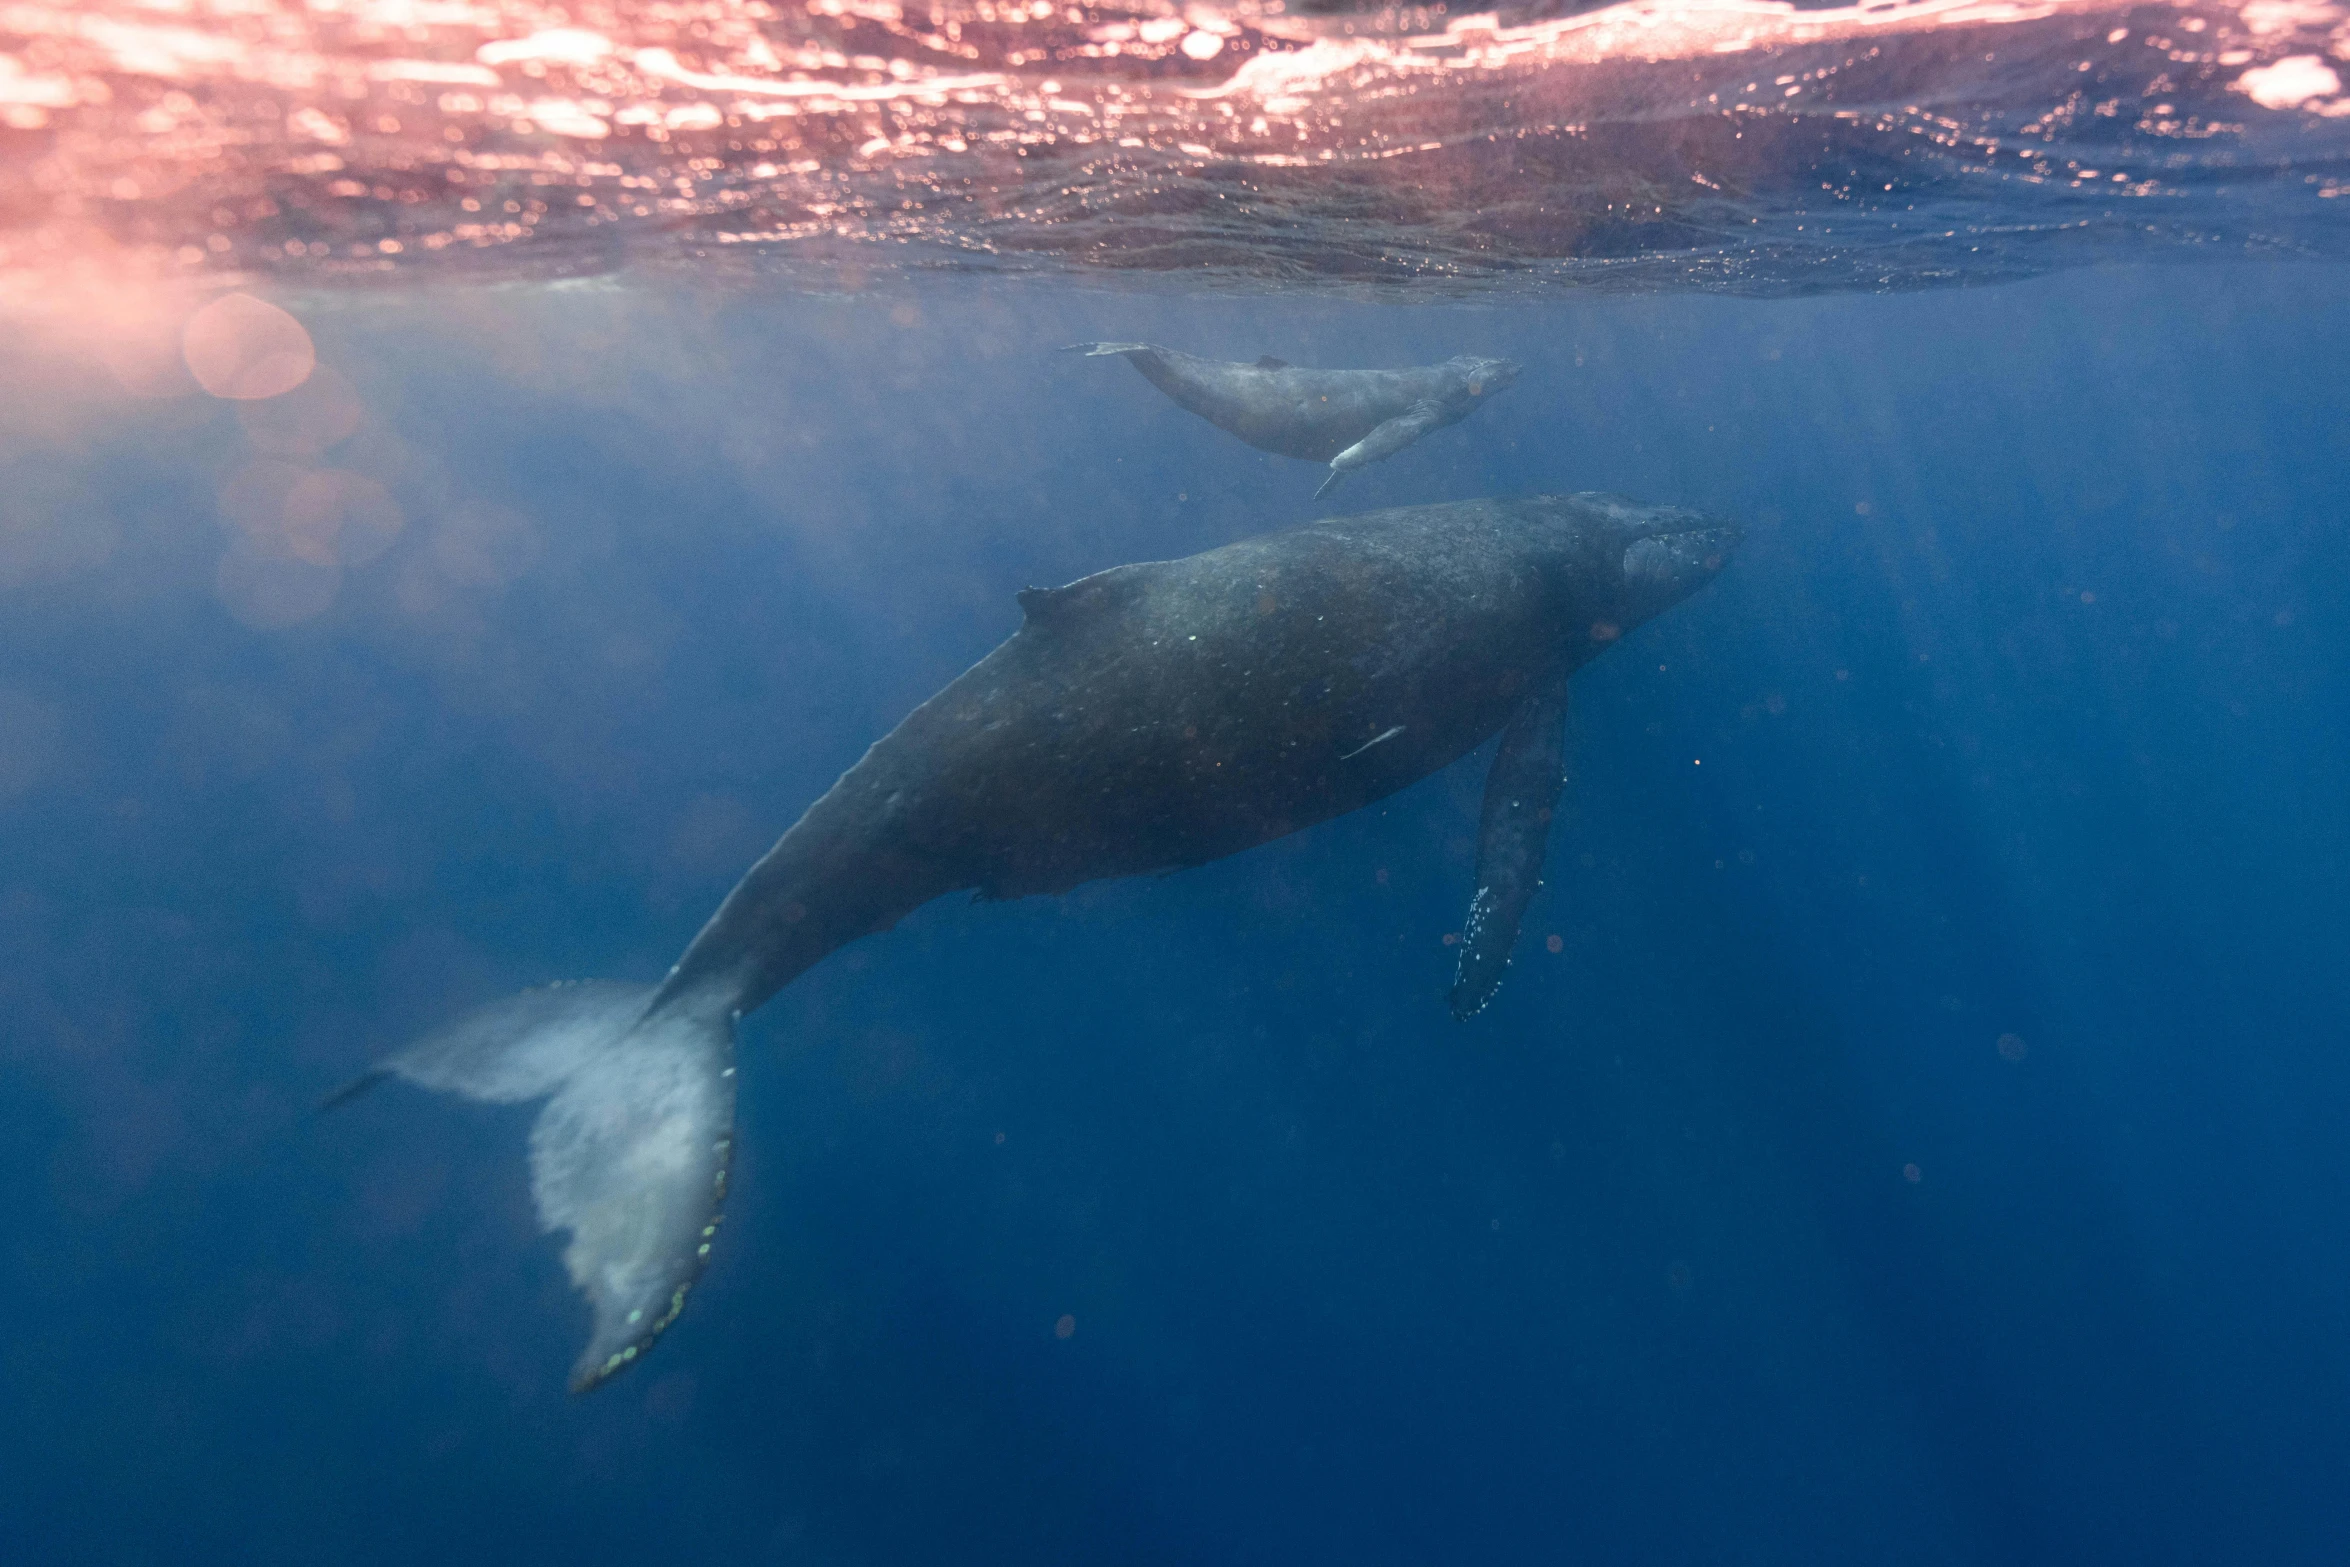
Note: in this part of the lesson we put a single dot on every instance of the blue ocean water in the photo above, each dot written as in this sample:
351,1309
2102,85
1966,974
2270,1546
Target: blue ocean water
1922,1145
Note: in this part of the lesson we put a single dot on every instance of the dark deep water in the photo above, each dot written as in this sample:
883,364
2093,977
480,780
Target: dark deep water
1731,1233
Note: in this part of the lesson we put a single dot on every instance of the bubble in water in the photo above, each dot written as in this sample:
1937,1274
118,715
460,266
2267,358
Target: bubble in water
1066,1326
244,348
2011,1047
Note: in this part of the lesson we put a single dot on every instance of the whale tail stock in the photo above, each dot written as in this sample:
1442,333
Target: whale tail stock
629,1155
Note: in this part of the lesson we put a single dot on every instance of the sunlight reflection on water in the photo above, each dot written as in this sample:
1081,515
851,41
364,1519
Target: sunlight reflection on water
1742,144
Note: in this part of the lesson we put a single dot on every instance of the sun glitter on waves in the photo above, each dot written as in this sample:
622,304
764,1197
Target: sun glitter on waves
223,139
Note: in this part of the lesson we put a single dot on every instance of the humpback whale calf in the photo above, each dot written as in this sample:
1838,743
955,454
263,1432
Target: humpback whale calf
1146,718
1346,418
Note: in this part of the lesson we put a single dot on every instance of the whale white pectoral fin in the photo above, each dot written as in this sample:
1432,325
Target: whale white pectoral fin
629,1156
1385,440
1513,832
1093,350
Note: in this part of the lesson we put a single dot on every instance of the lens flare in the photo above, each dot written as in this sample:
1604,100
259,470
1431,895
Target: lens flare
244,349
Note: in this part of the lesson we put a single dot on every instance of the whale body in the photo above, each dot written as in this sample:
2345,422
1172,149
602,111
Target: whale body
1345,418
1146,718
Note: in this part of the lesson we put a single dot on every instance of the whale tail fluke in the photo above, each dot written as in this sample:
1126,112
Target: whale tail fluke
352,1089
629,1154
1090,350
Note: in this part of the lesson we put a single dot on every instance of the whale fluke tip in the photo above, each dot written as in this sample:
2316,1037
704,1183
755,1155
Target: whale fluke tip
351,1090
628,1155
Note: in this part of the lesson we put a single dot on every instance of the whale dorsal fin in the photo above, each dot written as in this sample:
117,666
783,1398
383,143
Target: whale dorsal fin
1268,362
1081,601
1520,793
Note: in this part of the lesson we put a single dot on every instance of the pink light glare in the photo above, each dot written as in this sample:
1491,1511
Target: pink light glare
368,137
2290,83
141,347
243,348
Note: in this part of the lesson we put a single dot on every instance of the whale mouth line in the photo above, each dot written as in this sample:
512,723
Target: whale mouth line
1661,531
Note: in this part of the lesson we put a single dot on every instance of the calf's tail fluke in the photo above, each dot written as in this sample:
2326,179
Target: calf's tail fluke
629,1156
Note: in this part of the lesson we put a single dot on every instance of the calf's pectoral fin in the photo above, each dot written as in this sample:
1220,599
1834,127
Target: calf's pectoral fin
1384,441
1513,831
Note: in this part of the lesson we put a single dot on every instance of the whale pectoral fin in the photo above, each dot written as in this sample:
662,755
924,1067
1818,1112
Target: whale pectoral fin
1513,831
1092,350
1268,362
630,1153
1384,441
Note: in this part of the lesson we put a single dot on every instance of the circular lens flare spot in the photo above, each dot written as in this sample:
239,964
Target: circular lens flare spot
246,349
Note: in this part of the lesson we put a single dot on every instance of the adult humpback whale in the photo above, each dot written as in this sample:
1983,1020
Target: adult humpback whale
1148,717
1345,418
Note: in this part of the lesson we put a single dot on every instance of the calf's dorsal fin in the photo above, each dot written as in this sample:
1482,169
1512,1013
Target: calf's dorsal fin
1268,362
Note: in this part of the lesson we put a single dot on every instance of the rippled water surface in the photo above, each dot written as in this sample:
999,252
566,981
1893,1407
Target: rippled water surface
1748,145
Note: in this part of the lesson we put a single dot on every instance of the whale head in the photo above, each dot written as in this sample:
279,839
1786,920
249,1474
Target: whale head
1488,376
1642,560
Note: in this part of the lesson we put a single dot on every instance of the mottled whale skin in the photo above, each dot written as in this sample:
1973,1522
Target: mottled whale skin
1345,418
1146,718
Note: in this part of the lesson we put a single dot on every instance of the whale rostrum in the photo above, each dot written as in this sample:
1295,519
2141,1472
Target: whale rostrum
1146,718
1345,418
